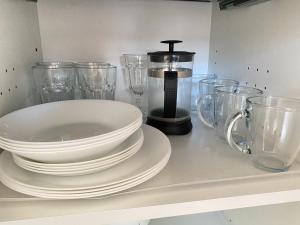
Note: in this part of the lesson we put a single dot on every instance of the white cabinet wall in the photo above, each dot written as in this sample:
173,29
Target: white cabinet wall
259,45
20,47
103,30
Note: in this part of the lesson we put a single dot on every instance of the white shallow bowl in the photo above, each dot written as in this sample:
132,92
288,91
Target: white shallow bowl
155,151
127,149
58,148
62,147
69,156
67,122
135,140
78,171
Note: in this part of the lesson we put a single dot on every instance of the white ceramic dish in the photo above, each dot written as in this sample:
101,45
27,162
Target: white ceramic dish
99,164
90,190
156,148
93,193
94,166
134,141
62,147
67,122
70,156
78,171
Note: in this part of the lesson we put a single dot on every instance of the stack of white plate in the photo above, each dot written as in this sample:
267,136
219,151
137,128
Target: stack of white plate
68,131
79,149
124,151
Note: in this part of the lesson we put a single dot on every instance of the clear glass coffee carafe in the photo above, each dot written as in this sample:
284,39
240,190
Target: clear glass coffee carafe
170,84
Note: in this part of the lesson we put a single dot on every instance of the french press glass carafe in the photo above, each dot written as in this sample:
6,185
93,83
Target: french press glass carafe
170,83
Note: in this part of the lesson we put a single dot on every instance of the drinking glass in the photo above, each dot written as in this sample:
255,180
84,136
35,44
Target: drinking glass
136,67
205,103
55,81
228,101
96,80
195,87
273,127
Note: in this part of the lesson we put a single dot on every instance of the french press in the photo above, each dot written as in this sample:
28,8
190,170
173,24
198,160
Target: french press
170,83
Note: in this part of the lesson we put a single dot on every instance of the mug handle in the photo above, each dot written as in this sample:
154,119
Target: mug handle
200,104
229,138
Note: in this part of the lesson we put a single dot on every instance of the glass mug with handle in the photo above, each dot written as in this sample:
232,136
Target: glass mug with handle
205,103
273,127
195,87
228,101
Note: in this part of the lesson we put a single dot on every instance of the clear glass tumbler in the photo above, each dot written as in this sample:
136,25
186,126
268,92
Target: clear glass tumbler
55,81
136,68
228,101
273,128
96,80
205,102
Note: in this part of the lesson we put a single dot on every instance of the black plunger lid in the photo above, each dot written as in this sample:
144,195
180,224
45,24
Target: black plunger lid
171,55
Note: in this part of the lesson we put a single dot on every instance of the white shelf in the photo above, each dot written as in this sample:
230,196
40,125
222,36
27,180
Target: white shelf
203,175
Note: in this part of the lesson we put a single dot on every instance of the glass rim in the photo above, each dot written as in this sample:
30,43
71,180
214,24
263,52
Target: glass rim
218,90
207,75
94,65
251,100
209,81
137,54
53,65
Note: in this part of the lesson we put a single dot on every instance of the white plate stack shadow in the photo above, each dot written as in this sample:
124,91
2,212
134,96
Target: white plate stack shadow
79,149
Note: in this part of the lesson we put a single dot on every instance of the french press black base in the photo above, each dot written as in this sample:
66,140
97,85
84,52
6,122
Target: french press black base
172,128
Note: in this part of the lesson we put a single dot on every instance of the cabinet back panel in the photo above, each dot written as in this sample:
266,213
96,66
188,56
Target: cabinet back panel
259,45
103,30
20,47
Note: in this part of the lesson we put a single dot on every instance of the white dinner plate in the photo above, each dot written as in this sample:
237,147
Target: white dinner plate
67,122
90,190
155,148
93,193
129,145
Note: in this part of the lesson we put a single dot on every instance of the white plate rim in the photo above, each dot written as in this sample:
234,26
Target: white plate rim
168,151
134,108
105,158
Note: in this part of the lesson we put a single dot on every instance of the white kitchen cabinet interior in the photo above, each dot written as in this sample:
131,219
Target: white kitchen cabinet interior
258,45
